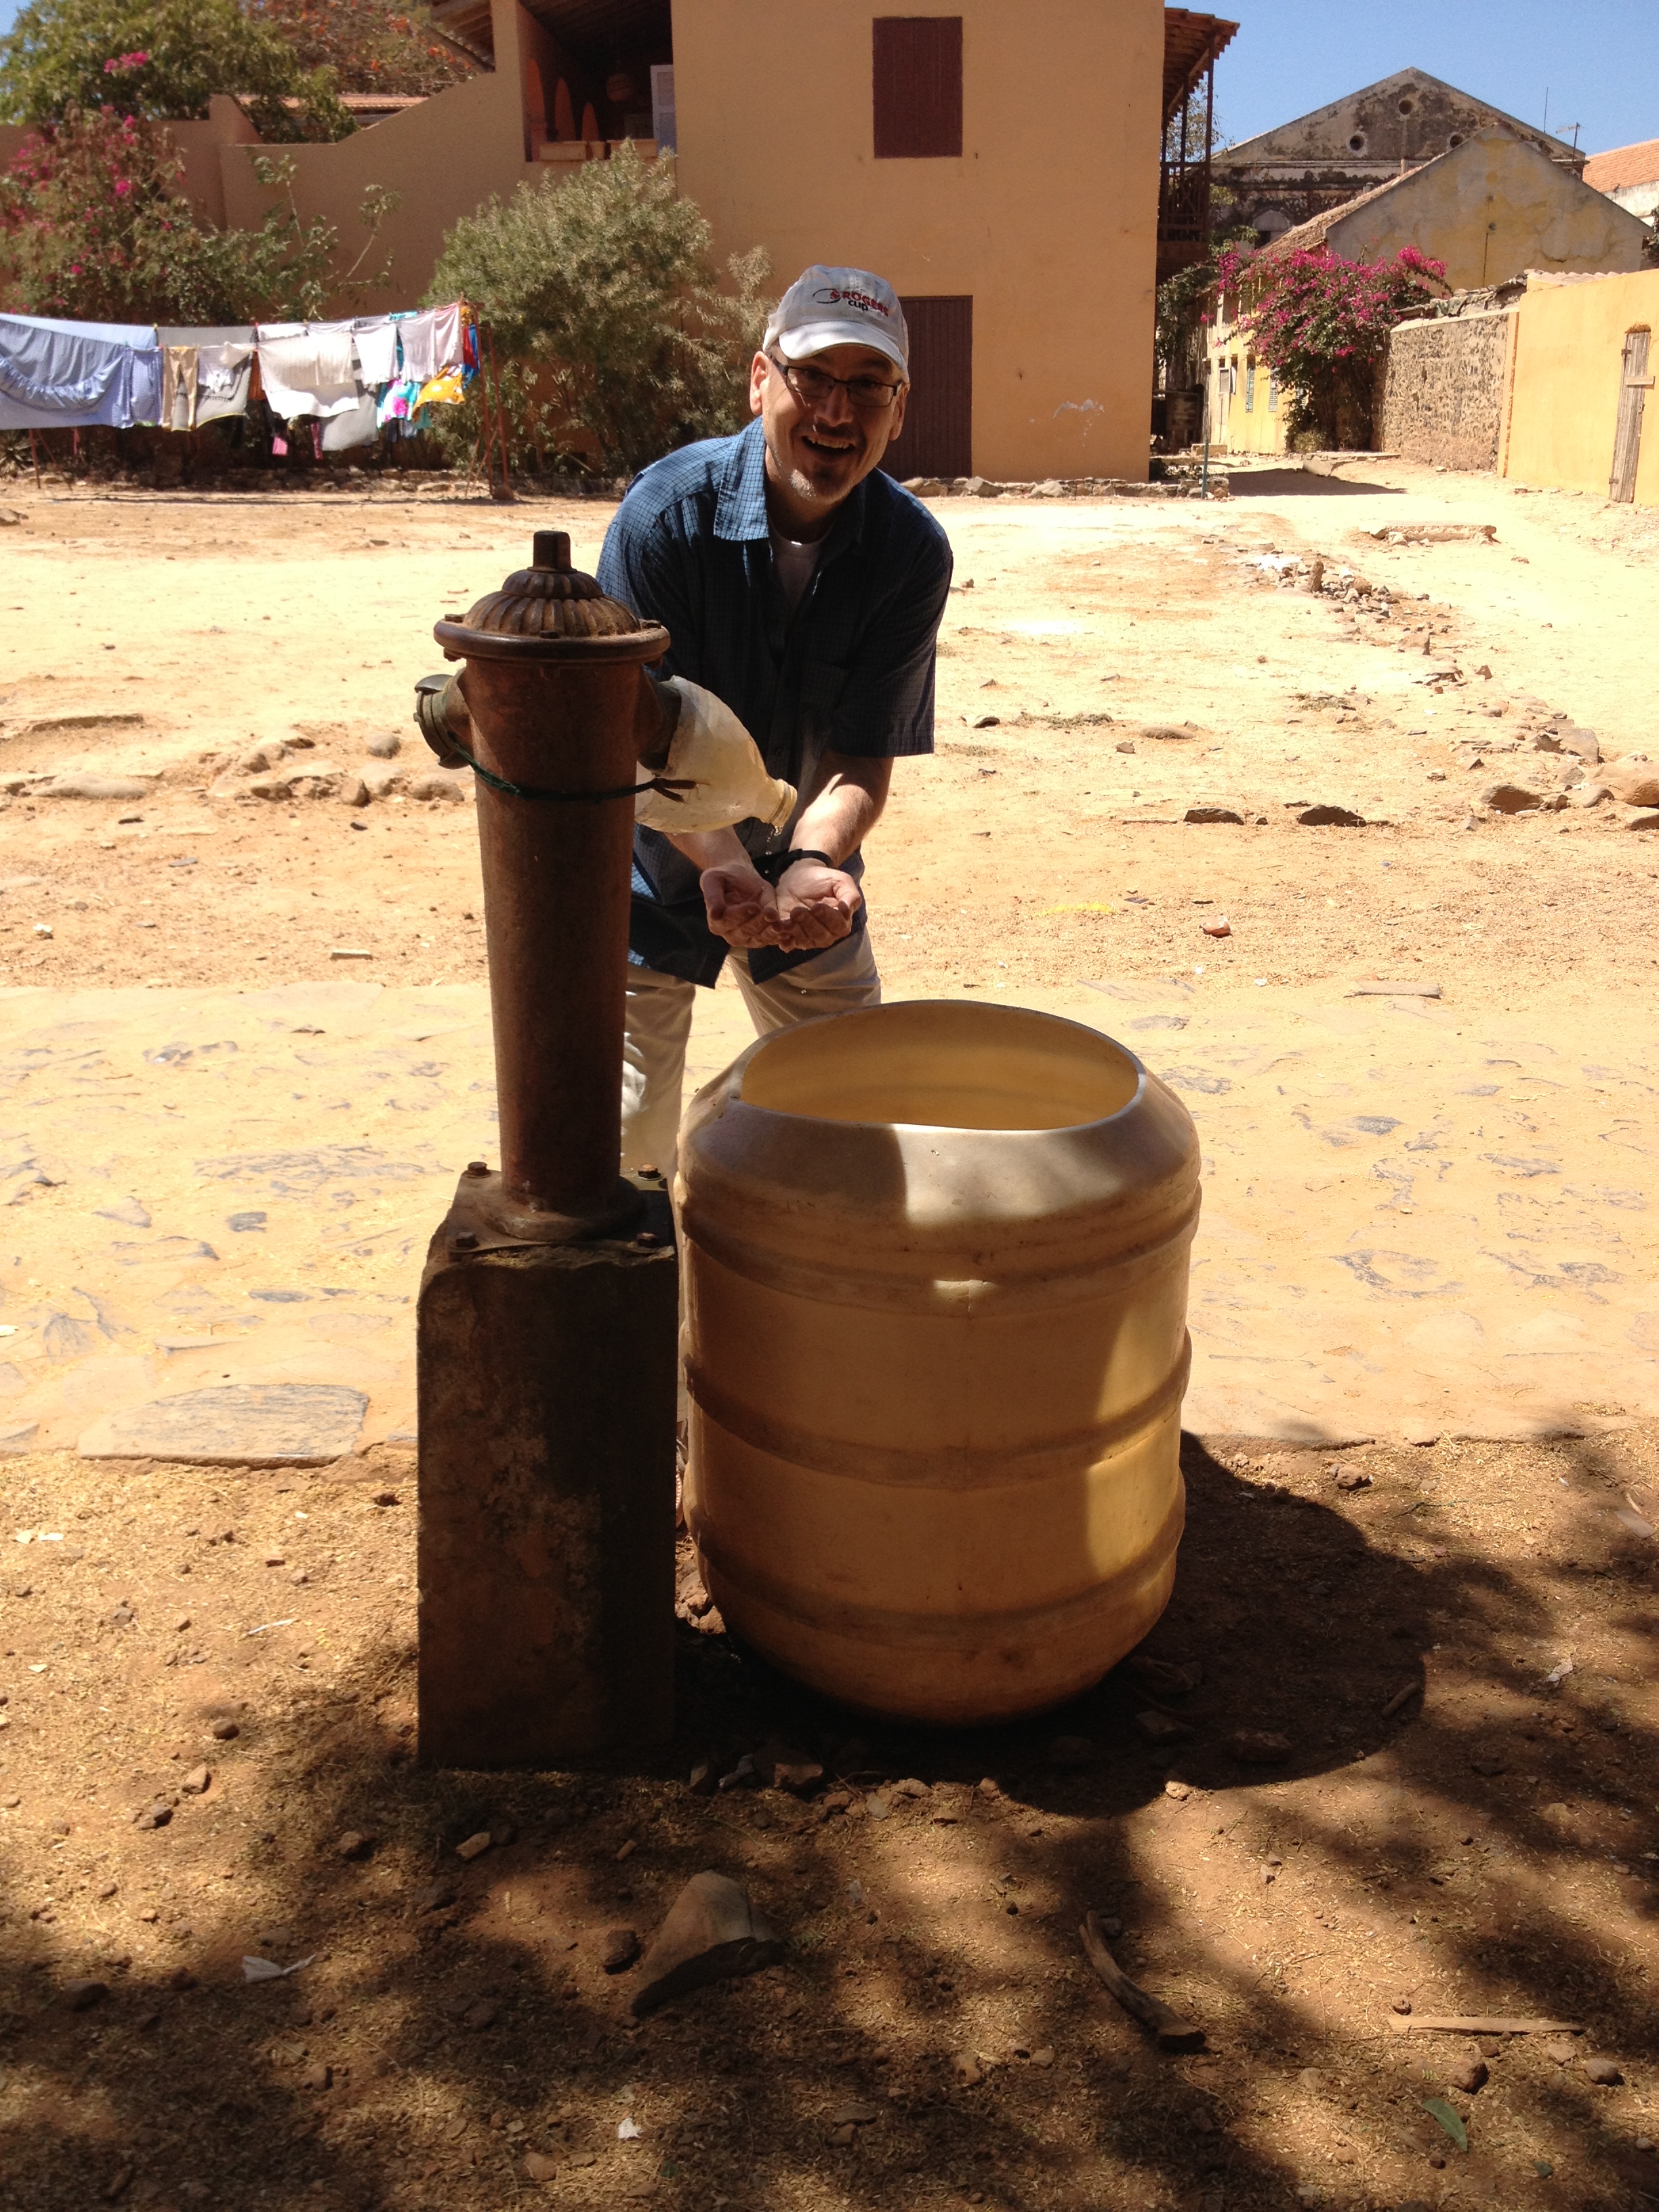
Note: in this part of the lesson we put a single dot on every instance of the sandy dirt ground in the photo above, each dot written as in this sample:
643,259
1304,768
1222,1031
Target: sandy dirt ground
1425,1266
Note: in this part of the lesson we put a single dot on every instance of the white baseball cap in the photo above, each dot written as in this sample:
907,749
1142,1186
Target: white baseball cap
828,307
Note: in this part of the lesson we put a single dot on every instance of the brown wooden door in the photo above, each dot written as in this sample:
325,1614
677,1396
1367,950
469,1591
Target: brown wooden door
1633,384
937,438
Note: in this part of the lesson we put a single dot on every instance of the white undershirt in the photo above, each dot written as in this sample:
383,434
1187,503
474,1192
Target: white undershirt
794,563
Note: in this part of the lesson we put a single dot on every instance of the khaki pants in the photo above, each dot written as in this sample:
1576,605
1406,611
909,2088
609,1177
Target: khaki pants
658,1023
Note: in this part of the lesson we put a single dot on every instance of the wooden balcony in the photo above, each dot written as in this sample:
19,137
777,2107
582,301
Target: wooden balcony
1191,44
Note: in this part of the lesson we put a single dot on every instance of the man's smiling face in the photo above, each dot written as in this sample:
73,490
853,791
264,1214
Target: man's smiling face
817,451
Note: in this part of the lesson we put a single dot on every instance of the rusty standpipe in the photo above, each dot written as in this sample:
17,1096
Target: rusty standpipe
552,712
546,1336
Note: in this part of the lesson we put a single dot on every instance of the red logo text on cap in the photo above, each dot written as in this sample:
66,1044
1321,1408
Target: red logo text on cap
829,296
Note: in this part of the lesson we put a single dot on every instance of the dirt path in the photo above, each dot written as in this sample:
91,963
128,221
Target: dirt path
223,1149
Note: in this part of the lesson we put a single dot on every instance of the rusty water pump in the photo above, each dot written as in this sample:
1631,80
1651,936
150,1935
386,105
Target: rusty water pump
547,1351
552,700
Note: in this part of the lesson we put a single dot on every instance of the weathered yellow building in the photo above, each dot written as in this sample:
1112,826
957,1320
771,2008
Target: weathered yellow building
1494,208
925,147
1580,364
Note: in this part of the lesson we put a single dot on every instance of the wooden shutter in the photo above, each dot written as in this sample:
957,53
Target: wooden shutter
937,438
917,67
1633,385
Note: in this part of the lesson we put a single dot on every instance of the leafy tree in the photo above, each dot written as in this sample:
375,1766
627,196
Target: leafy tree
161,60
603,290
1322,326
370,45
94,228
1181,301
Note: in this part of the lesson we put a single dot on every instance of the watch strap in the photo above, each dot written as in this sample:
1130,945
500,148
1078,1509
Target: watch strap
773,866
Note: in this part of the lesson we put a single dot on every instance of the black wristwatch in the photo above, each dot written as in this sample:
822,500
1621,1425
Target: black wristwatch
773,866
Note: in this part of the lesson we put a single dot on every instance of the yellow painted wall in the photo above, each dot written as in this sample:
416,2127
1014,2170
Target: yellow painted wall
1564,380
1250,421
1491,209
1049,219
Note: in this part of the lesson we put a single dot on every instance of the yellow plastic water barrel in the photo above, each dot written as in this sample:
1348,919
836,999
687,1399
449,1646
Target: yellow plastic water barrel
936,1286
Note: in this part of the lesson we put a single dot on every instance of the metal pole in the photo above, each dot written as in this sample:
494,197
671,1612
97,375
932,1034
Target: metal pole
35,455
506,491
485,406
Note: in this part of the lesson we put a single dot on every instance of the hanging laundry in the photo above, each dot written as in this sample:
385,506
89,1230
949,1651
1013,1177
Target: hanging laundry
397,399
447,388
224,371
148,362
377,347
127,334
418,336
178,368
53,379
445,339
342,432
307,368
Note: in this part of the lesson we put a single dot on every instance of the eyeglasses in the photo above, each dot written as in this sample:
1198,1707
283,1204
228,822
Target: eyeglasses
867,395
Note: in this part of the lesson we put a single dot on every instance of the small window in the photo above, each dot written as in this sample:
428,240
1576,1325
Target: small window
1357,143
1272,393
917,81
662,105
1405,107
1456,138
1249,386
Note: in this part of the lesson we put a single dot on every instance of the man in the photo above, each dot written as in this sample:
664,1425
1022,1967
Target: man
803,589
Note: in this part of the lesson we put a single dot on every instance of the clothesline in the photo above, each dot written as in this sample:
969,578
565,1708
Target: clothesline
348,380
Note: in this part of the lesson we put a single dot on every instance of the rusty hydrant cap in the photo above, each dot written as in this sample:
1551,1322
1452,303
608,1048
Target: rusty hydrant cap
551,610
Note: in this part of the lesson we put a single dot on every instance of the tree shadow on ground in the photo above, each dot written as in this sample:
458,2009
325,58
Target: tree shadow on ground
456,2014
1301,483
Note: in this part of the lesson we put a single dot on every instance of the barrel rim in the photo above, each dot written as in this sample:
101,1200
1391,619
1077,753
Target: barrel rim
738,1069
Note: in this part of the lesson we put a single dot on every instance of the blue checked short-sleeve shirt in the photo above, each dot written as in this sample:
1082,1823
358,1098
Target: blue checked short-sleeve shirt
852,671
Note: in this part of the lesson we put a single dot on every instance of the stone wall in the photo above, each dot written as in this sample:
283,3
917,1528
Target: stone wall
1442,398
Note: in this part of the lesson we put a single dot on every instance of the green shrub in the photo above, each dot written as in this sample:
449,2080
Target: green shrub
602,292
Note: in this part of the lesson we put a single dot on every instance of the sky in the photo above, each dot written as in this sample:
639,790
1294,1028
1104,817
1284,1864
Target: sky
1597,61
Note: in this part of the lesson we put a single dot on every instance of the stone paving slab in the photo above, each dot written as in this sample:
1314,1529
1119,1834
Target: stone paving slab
236,1425
1420,1219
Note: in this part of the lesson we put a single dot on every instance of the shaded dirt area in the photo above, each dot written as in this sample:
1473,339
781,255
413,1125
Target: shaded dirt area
1488,1848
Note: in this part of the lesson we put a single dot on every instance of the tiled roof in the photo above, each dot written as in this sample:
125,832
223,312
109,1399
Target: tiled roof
1624,165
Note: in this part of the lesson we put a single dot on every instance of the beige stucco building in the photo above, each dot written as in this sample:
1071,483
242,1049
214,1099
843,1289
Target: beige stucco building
1493,208
924,146
1300,170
